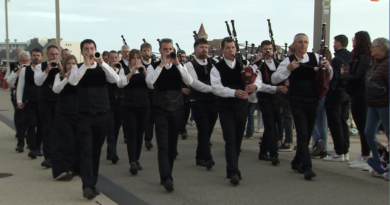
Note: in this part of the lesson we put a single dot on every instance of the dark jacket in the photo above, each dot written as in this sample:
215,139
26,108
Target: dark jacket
337,84
380,76
357,75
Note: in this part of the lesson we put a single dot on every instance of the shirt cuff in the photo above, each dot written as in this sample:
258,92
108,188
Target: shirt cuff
232,93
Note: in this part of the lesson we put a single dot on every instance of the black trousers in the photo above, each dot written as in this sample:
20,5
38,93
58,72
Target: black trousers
288,120
233,123
14,104
92,130
150,121
114,125
337,113
186,115
279,128
205,115
304,115
28,120
63,143
134,120
47,115
359,114
167,132
270,114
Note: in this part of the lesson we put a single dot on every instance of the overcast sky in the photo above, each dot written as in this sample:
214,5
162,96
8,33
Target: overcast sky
106,20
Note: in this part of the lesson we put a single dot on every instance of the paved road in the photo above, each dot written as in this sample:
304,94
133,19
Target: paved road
262,183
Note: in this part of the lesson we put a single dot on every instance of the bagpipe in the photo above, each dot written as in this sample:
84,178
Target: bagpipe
247,74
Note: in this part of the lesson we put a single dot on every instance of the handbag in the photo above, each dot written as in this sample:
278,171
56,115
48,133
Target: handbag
373,89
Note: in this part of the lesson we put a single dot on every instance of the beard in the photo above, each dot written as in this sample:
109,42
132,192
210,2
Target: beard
36,61
146,57
202,56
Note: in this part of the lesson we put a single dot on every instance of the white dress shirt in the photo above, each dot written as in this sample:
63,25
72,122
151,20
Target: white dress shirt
282,73
11,79
268,88
196,84
153,74
59,84
147,62
21,83
226,92
126,62
78,73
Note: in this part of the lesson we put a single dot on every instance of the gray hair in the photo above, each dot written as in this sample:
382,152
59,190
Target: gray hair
300,34
24,54
382,42
125,46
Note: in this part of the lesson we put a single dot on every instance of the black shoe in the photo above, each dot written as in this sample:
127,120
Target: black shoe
46,163
229,176
208,164
114,159
139,166
284,148
323,154
133,169
275,160
184,135
89,193
297,167
19,148
32,154
96,191
317,148
309,174
66,176
148,145
234,179
168,185
264,157
200,162
39,153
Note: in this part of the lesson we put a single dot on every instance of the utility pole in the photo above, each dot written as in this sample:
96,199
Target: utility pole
58,38
6,31
322,12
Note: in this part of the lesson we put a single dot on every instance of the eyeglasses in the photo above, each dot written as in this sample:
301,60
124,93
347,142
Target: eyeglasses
166,40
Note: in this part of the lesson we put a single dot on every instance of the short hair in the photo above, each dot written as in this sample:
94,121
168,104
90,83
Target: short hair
265,43
291,48
132,53
181,52
224,40
145,46
87,41
105,53
382,42
62,52
201,41
342,39
24,54
112,51
37,50
51,46
299,34
125,46
279,49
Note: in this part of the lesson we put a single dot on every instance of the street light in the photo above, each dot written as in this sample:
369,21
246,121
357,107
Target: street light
6,30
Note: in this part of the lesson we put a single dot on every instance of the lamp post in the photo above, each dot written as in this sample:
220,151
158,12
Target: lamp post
6,31
58,38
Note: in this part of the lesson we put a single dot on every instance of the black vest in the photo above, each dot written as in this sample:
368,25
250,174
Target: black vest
115,94
275,98
46,89
135,94
203,73
167,88
30,91
146,67
92,91
302,81
231,78
68,100
123,64
12,67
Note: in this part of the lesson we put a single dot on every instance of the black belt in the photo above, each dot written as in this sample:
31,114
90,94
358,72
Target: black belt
94,113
